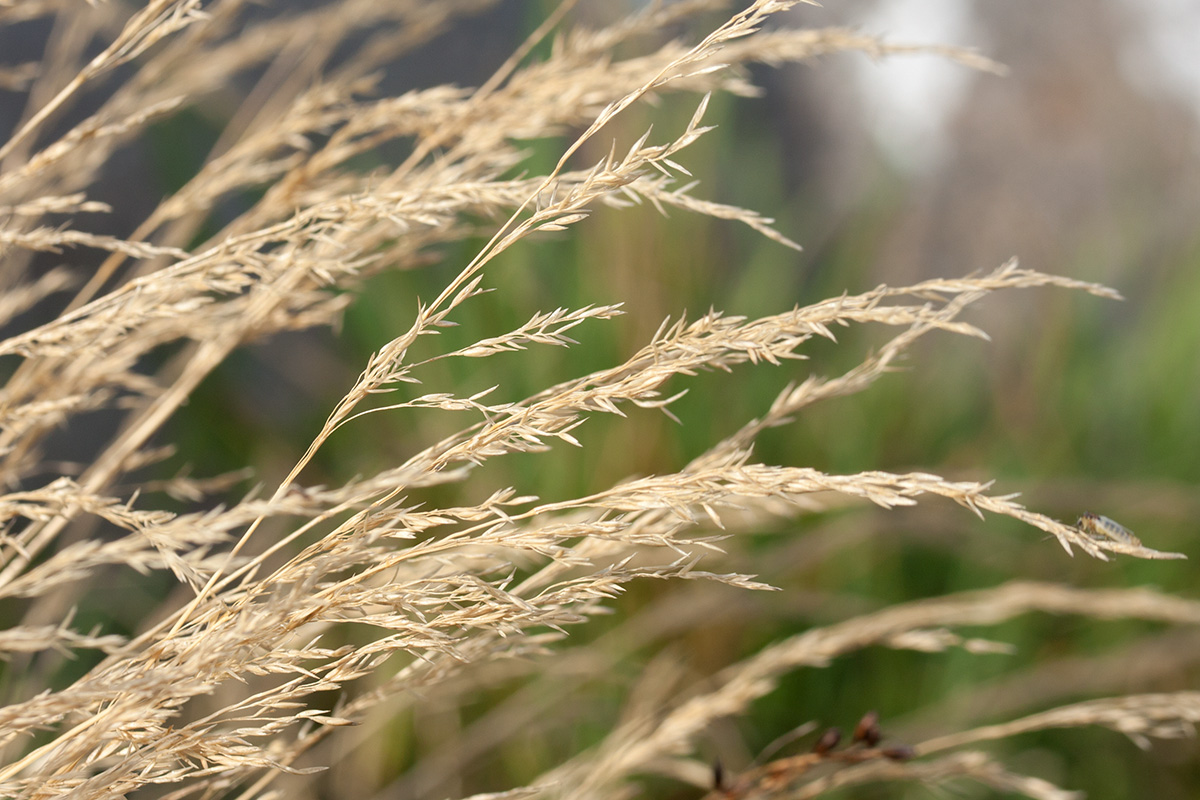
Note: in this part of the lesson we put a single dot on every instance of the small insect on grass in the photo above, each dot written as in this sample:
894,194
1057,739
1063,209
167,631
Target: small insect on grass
1099,527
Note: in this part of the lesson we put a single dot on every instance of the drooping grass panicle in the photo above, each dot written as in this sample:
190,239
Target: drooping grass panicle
295,617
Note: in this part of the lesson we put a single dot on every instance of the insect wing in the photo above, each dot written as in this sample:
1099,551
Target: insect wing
1105,528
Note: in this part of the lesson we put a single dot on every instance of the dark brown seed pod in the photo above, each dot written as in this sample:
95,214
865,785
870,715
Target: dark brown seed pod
900,752
829,740
718,775
867,729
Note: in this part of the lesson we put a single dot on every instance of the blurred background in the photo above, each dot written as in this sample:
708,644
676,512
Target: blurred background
1083,161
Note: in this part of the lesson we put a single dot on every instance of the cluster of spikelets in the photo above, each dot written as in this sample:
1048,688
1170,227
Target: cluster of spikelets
225,691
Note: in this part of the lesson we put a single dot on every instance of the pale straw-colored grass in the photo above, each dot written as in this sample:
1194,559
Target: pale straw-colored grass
225,689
